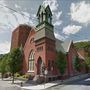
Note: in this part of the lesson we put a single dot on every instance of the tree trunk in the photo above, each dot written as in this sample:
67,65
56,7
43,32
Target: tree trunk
61,78
13,78
2,76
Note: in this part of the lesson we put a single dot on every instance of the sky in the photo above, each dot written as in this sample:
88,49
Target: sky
71,19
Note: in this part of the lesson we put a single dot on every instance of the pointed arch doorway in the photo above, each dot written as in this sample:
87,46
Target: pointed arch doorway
40,66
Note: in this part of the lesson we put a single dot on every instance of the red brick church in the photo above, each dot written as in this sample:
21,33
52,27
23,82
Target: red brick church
40,46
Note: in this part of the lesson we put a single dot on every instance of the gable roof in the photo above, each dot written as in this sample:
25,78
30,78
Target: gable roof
80,56
66,45
59,46
63,46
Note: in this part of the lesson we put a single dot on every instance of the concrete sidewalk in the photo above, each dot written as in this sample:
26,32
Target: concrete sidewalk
53,83
41,86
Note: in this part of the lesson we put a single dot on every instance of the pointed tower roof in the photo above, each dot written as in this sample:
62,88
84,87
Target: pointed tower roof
48,10
40,7
43,8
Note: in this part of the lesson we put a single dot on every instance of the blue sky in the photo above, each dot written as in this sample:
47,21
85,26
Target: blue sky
71,18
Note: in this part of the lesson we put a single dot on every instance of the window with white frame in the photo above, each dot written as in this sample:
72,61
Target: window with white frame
31,61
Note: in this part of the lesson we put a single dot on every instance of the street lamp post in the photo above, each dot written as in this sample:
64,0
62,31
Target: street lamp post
45,73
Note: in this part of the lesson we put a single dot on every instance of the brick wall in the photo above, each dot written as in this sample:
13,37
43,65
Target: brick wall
27,49
20,35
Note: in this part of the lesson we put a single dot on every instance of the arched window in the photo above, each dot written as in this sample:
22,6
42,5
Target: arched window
42,16
49,18
39,19
31,40
31,61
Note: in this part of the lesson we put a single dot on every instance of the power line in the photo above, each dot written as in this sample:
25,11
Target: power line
15,15
14,10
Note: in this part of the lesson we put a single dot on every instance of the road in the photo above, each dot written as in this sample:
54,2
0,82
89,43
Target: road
6,85
77,85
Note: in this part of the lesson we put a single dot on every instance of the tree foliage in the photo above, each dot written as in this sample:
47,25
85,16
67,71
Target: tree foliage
11,62
3,65
85,45
87,62
15,61
77,64
61,62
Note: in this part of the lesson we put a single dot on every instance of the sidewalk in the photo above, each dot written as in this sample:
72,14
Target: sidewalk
41,86
53,83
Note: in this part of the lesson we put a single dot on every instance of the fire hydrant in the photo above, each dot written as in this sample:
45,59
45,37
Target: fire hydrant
21,84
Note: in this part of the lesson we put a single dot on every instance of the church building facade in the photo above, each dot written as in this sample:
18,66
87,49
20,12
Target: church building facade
40,46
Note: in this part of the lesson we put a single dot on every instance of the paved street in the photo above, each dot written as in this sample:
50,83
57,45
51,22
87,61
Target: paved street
6,85
78,85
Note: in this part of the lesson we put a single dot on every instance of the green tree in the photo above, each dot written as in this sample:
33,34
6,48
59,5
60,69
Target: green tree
87,61
15,61
61,62
77,64
85,45
3,65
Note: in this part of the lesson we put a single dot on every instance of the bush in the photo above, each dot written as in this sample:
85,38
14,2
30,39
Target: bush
26,76
17,75
61,62
77,64
5,75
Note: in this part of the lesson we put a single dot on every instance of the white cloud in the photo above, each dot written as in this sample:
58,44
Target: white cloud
3,17
57,15
57,23
71,29
54,6
2,2
3,28
52,3
80,12
5,47
26,14
17,6
58,36
17,19
10,19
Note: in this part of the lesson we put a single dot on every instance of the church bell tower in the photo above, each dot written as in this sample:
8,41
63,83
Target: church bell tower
45,41
44,27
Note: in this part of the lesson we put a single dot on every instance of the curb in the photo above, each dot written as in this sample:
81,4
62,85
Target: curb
75,78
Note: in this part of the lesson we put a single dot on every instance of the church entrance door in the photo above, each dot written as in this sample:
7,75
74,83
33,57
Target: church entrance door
40,66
